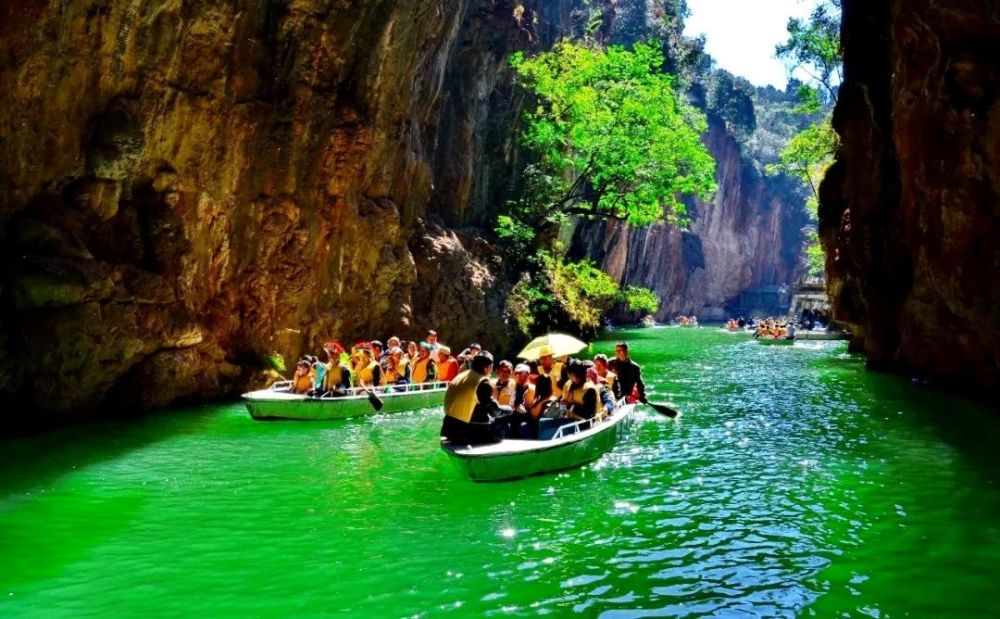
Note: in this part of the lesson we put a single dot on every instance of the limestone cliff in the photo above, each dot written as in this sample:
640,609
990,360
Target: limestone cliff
749,235
909,213
186,187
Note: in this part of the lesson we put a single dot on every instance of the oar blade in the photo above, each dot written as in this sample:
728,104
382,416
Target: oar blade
375,401
663,409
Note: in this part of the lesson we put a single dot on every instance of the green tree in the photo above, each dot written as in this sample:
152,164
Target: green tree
639,299
612,136
807,156
813,47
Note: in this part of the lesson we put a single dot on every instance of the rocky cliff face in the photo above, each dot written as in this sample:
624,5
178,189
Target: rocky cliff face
909,213
749,235
186,187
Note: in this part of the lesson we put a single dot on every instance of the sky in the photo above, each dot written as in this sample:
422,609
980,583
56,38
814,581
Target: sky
741,34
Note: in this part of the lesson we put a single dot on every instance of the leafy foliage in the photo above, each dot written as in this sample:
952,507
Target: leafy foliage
641,299
610,128
730,97
813,46
807,156
583,290
562,294
275,362
815,256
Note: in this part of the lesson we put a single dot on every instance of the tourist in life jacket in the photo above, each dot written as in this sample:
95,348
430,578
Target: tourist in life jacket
554,369
606,377
337,379
378,351
580,395
423,368
432,339
469,407
503,386
411,352
605,394
522,423
303,379
629,375
367,372
465,357
393,342
318,373
524,391
447,367
542,399
397,372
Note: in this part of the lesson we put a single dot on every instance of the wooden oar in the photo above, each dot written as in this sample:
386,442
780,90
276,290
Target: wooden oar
373,398
663,409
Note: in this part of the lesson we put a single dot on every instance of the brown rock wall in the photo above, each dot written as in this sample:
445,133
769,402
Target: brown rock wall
748,236
186,186
909,213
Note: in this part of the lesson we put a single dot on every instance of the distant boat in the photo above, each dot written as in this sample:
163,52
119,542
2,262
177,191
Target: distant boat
775,341
822,335
278,402
570,446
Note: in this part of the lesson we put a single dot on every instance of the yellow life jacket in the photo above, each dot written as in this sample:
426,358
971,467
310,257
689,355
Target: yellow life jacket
505,393
460,398
576,396
391,377
529,395
334,376
554,374
609,380
419,374
366,374
446,370
301,384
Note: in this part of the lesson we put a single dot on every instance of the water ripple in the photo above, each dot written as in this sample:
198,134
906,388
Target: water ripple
794,484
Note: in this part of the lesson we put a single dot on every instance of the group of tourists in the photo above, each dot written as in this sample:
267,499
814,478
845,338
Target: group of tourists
774,329
686,321
532,399
395,365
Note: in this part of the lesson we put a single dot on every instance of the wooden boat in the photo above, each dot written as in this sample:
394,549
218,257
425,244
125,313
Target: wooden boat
570,446
278,402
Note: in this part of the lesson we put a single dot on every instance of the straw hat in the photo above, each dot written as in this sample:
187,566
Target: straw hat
544,351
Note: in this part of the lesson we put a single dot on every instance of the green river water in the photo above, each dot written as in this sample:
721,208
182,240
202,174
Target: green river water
795,484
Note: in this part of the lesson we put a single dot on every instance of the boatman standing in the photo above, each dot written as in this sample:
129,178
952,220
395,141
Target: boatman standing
469,406
629,375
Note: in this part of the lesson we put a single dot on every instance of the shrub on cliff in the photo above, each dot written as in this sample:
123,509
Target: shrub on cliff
571,296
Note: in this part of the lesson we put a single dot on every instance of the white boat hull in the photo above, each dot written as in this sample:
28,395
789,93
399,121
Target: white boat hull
514,458
278,403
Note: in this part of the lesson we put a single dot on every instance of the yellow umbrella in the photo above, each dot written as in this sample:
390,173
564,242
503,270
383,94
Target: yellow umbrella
555,344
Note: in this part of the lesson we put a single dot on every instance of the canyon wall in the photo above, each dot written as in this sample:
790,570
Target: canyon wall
909,213
748,235
189,186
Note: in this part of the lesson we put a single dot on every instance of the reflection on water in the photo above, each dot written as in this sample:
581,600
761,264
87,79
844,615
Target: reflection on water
795,483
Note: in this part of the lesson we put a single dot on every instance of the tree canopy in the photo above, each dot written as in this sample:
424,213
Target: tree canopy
813,46
612,135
